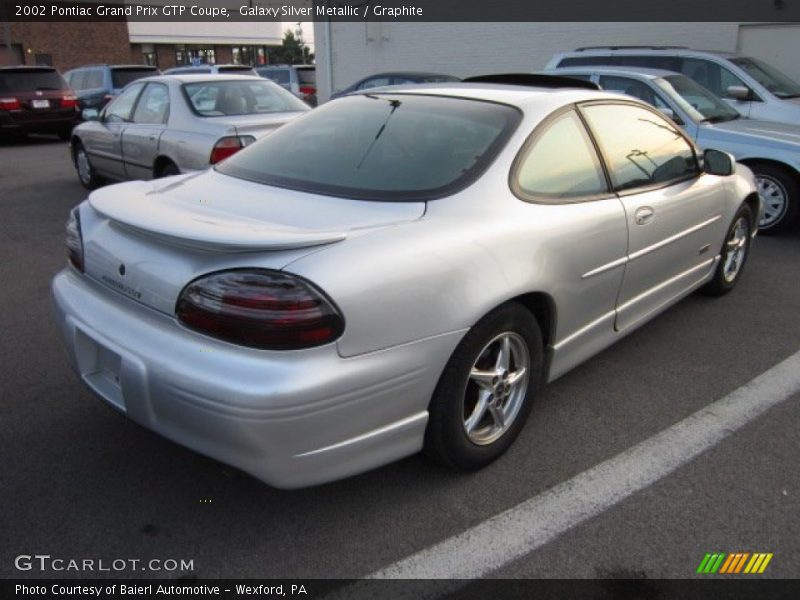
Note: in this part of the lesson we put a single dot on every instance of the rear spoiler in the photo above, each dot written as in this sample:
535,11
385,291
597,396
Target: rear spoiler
534,80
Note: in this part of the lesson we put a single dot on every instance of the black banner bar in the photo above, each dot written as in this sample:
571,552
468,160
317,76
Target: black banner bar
410,11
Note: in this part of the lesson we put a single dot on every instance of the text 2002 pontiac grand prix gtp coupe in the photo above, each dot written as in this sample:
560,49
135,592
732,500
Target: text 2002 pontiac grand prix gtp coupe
396,270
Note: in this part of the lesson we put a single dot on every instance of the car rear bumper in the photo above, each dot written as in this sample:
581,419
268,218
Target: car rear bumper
45,123
291,419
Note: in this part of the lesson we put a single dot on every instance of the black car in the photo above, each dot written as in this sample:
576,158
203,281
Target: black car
95,85
396,78
36,100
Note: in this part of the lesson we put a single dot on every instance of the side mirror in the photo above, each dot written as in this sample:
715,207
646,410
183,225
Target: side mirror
90,114
739,92
716,162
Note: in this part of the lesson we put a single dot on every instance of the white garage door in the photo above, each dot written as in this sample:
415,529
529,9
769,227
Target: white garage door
779,45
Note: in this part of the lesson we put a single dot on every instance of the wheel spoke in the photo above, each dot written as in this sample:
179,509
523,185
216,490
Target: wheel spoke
483,379
477,412
504,356
498,415
515,377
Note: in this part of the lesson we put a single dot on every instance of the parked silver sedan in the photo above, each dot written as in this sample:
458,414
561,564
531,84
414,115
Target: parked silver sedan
397,270
171,124
770,149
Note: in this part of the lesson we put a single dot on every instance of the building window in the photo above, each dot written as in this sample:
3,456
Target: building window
149,55
194,55
250,55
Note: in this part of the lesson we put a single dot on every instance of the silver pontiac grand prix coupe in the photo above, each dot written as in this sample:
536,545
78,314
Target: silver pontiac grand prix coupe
397,270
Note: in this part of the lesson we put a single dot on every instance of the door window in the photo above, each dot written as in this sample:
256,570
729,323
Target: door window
120,109
559,164
153,106
642,148
710,75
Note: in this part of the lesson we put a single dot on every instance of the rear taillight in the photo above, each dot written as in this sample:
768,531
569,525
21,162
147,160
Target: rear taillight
261,309
308,90
10,104
228,146
75,240
69,101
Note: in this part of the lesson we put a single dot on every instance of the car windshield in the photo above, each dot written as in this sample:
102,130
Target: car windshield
238,97
768,76
380,147
29,80
701,105
122,77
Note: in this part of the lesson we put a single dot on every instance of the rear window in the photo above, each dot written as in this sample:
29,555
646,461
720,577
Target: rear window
223,98
307,75
381,147
29,80
276,75
122,77
236,69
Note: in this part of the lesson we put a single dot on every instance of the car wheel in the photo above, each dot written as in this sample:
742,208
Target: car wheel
780,194
485,392
734,254
169,169
86,172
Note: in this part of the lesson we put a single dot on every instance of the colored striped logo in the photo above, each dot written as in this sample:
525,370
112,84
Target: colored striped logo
735,563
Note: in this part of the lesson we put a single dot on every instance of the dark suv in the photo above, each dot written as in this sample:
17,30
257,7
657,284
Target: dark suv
36,100
95,85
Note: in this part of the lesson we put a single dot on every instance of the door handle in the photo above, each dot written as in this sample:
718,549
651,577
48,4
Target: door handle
644,215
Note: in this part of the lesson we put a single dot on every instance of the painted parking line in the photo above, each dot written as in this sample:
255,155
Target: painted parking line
488,546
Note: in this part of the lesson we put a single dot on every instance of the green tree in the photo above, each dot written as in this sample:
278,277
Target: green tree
292,51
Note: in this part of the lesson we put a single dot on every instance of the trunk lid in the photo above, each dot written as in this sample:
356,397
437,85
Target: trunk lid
257,125
147,240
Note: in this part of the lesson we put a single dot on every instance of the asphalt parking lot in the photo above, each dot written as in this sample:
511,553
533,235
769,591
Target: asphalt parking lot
79,481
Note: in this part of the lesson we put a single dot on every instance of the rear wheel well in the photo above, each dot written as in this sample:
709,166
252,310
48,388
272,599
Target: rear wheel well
542,307
160,163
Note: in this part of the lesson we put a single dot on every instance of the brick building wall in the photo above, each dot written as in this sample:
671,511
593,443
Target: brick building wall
71,45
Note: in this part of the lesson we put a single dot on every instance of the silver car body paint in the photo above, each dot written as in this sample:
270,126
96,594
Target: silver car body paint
410,280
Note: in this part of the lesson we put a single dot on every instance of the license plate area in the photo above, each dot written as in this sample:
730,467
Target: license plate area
40,103
100,368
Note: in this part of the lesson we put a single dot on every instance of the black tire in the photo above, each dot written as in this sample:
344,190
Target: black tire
168,169
777,179
446,438
723,282
88,177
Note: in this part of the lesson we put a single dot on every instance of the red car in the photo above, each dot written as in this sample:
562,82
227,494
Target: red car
36,100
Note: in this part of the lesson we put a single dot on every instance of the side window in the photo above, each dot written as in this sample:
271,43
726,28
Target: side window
642,148
560,163
120,109
629,87
710,75
94,79
153,106
587,61
668,63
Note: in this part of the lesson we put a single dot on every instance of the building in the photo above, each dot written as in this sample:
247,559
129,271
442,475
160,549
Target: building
346,52
64,45
172,44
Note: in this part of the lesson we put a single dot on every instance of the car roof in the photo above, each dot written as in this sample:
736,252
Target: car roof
643,73
28,68
197,77
645,50
266,67
408,74
514,95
